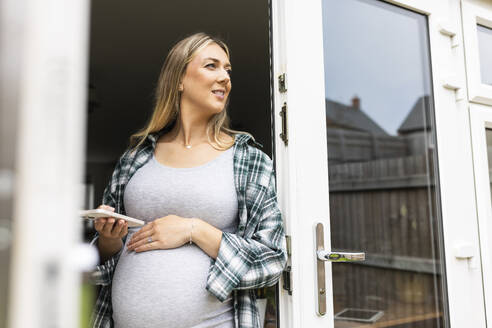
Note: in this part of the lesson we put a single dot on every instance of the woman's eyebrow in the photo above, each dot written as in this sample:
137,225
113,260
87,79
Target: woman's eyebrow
217,61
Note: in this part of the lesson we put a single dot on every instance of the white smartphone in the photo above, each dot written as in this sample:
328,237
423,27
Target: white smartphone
102,213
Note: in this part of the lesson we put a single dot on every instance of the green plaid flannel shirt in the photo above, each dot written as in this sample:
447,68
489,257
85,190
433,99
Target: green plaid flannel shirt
253,257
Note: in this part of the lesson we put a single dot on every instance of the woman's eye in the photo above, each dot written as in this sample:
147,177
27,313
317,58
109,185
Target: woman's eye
229,71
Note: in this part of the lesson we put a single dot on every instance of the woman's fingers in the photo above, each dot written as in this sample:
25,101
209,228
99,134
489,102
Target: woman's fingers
99,224
147,247
144,229
117,227
149,227
106,207
140,237
110,227
124,230
143,243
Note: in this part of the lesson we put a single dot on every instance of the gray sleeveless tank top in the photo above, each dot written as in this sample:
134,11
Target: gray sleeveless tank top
166,288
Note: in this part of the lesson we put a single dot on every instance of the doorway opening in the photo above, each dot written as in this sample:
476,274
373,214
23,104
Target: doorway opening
129,42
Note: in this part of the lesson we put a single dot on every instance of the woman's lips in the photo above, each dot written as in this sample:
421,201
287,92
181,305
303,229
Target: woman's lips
219,95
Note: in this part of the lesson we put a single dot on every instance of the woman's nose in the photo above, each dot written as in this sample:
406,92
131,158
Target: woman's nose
224,77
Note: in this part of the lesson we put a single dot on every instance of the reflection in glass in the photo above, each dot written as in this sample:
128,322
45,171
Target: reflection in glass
381,157
485,52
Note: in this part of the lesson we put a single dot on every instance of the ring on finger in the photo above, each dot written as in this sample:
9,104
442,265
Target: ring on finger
149,239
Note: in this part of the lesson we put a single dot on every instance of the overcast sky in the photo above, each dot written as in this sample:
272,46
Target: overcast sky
379,52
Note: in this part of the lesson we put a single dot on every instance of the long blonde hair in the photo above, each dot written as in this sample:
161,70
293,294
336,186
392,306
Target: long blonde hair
167,97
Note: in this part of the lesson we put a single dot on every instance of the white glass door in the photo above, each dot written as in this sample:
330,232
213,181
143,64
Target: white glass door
378,152
382,166
481,122
477,27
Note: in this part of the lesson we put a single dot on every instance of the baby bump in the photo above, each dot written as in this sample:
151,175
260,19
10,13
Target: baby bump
164,288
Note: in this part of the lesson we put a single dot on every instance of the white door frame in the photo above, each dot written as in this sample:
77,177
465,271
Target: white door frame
480,97
45,278
302,181
481,118
302,165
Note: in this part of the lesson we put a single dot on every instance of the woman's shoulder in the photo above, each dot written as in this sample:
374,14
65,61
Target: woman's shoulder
258,164
242,138
131,154
252,148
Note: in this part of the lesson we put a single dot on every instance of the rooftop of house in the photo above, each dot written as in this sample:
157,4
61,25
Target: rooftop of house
351,117
416,120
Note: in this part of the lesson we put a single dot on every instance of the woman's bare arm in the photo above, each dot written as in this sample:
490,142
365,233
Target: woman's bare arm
206,236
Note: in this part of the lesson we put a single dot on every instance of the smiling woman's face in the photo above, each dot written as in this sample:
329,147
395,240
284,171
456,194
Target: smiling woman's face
206,82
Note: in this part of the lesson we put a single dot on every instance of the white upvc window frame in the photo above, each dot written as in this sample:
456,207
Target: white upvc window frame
474,13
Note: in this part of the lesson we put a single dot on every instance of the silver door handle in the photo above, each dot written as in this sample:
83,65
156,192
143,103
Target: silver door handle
321,257
340,256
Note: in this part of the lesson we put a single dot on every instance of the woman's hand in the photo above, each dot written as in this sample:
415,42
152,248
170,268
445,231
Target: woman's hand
170,231
110,234
109,228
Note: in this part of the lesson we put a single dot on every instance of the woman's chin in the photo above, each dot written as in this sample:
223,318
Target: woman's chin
216,110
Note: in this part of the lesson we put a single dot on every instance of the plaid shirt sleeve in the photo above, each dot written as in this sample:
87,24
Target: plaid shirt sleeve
256,261
103,273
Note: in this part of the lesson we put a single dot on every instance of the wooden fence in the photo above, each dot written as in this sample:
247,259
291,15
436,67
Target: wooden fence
386,207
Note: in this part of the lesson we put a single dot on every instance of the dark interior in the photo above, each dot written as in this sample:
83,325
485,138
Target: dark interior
129,41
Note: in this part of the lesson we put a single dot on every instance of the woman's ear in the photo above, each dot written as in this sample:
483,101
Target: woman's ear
180,88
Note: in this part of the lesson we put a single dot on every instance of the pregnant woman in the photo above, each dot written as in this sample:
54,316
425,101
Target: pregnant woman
213,229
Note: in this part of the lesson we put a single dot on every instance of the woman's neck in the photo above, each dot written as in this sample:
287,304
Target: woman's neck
188,133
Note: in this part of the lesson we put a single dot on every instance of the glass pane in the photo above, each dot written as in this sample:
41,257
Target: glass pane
485,51
381,157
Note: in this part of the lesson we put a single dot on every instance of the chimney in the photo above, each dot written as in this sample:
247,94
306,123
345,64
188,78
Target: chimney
356,102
